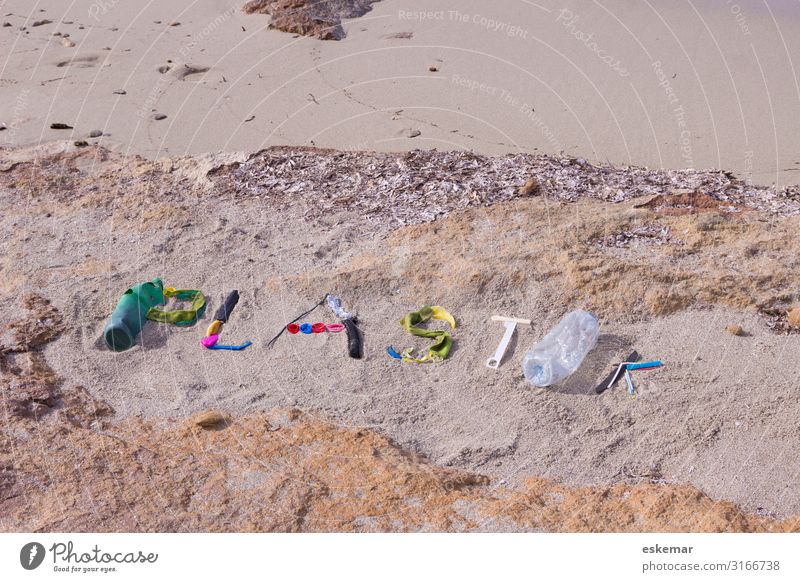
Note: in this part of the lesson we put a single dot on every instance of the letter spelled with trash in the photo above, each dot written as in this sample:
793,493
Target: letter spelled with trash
562,350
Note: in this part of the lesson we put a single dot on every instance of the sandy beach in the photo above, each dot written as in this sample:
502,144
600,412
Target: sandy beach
520,159
719,416
703,85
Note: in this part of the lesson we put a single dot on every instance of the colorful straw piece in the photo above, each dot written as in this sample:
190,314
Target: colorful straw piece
629,382
638,366
232,348
613,376
616,374
625,366
643,365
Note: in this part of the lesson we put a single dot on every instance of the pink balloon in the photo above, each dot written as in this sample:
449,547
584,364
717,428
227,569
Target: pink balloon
210,340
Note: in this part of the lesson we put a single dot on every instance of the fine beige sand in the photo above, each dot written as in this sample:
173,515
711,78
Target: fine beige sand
721,415
695,84
156,174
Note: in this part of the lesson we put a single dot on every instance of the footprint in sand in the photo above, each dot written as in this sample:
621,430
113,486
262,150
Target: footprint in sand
183,72
188,72
83,62
399,35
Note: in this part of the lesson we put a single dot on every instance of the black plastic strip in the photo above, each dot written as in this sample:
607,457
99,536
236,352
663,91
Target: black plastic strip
615,374
224,311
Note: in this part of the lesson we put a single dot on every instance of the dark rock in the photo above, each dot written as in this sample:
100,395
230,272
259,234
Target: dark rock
322,20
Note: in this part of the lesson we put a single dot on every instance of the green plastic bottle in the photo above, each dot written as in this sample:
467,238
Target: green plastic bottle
130,314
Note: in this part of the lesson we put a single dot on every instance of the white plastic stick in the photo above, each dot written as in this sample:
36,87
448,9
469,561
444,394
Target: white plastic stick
510,323
616,374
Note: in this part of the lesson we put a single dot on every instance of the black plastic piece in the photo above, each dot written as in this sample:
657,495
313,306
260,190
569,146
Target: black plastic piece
224,311
354,343
604,385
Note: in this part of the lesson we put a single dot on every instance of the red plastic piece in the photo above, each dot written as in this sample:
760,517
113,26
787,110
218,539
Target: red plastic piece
293,328
318,327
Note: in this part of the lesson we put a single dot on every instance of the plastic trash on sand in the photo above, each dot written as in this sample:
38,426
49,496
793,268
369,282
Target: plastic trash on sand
561,351
130,314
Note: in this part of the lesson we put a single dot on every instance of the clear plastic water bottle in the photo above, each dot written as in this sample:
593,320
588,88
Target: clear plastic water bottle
562,350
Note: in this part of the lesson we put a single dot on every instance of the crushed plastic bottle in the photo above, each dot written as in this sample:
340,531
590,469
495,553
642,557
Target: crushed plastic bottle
562,350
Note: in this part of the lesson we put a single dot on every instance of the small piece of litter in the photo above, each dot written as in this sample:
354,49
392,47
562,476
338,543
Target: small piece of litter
209,419
530,188
629,382
735,329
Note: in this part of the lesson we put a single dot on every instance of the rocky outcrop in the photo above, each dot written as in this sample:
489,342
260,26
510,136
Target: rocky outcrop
289,471
318,18
30,387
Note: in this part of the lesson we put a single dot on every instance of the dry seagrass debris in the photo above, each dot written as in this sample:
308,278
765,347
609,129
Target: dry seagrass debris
777,321
421,186
651,234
